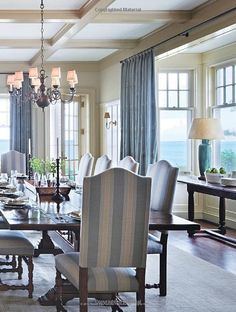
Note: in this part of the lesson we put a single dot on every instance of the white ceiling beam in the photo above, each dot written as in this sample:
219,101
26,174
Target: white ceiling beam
142,16
72,16
101,44
22,44
33,16
71,44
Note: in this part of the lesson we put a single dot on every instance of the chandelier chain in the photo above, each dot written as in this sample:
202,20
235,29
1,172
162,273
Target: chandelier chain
42,36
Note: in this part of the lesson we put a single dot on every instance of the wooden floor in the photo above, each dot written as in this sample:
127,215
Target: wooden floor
209,249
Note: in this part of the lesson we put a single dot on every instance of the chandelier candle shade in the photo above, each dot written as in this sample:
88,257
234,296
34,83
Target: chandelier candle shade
205,129
40,94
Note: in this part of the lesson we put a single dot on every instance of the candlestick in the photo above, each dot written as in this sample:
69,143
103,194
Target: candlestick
57,147
29,146
58,197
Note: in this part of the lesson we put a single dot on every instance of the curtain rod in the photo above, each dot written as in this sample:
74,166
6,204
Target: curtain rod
184,33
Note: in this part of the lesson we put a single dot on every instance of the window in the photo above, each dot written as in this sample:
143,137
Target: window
225,110
71,139
4,124
174,105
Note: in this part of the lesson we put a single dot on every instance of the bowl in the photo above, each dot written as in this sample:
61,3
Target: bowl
214,177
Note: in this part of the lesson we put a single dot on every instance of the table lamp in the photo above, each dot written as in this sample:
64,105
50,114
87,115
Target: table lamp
205,129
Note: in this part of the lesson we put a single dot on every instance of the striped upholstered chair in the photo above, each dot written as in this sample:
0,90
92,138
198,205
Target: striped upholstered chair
113,238
164,178
102,163
13,160
129,163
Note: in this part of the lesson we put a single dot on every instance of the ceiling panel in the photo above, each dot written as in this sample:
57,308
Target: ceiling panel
116,31
80,54
28,31
156,4
35,4
17,54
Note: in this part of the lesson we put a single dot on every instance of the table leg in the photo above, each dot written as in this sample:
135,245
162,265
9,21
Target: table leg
190,209
222,216
46,246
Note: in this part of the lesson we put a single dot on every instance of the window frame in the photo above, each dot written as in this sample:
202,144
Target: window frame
189,109
215,109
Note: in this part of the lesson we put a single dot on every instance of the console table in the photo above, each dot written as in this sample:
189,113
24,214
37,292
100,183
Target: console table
195,185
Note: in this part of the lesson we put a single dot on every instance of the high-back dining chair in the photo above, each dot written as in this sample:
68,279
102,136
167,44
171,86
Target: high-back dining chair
129,163
164,178
115,215
102,163
85,168
13,160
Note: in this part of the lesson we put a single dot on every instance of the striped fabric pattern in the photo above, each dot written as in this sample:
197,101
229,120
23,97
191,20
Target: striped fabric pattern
115,219
107,280
13,160
164,178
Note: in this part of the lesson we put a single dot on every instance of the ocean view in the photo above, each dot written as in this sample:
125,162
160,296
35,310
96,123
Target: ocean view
176,153
4,146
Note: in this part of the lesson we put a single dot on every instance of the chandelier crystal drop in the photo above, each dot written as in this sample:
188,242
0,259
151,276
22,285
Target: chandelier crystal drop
40,94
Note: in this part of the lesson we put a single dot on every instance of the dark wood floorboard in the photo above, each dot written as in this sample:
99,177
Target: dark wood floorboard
206,248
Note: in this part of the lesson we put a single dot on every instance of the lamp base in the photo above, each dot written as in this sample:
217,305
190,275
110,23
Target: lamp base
202,178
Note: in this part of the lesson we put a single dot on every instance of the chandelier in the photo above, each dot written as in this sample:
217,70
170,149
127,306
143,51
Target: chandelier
40,94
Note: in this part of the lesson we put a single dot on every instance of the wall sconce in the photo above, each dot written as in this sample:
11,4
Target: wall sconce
109,123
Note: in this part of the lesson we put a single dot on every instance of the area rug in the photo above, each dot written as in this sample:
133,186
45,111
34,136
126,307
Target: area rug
194,285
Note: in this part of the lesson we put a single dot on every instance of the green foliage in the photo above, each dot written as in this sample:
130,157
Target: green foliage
37,165
43,166
228,160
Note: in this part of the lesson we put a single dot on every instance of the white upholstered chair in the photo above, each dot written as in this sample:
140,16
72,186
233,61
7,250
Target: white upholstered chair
85,168
102,163
113,241
15,243
13,160
129,163
164,178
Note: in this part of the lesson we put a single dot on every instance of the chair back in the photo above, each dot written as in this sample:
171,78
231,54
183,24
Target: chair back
85,168
103,163
115,218
13,160
129,163
164,178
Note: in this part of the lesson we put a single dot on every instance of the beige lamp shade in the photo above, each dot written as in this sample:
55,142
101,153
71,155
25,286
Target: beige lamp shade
107,115
206,129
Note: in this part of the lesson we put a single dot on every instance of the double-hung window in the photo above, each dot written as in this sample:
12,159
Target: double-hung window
175,106
225,110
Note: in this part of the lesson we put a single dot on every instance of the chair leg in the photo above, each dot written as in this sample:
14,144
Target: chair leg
30,276
59,281
83,291
140,295
19,268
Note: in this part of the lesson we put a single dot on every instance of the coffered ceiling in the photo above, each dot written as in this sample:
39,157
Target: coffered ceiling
84,30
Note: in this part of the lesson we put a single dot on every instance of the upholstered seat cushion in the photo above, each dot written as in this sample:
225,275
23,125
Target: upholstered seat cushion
15,243
99,279
154,245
